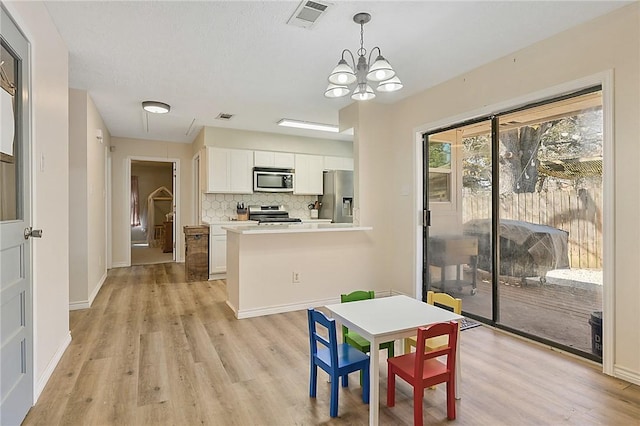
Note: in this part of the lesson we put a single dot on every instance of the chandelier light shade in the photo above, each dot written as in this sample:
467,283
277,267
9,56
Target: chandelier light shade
363,72
342,74
336,90
390,85
156,107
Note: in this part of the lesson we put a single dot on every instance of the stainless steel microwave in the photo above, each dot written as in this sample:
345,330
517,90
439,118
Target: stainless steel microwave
272,180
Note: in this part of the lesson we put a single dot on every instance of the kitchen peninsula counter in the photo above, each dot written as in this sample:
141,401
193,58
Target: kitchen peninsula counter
296,228
282,268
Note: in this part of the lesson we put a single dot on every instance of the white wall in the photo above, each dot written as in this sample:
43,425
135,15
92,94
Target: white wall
49,101
125,149
610,42
87,188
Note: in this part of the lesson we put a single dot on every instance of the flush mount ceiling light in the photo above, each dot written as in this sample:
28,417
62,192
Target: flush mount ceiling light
156,107
286,122
365,72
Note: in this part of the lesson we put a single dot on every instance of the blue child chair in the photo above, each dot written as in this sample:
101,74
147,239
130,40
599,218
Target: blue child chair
338,360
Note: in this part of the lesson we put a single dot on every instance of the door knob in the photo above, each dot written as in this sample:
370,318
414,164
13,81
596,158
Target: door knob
34,233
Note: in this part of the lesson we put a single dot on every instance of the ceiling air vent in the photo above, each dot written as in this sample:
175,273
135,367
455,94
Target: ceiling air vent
308,13
224,116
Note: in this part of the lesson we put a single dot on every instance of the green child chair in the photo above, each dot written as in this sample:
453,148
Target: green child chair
353,338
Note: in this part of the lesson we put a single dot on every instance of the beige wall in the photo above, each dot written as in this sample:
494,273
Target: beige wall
611,42
87,187
50,193
328,263
125,149
78,290
97,152
244,139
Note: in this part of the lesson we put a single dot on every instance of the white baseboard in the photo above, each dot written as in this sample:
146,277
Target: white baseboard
627,375
53,363
93,295
278,309
220,276
233,308
120,265
86,304
76,306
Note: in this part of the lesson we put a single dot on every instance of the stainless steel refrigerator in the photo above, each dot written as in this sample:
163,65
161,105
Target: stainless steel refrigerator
337,199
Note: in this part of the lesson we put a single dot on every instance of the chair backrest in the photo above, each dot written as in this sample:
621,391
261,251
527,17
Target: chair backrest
443,328
329,324
352,297
443,299
357,295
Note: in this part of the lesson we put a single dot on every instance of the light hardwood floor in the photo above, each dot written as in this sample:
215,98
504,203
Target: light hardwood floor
154,350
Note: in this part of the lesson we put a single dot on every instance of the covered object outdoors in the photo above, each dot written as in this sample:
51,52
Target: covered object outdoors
526,249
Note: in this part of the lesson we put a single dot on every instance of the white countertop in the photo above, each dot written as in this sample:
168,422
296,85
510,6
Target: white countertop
232,222
255,222
295,228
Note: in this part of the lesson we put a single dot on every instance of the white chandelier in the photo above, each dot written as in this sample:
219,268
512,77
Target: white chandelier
379,72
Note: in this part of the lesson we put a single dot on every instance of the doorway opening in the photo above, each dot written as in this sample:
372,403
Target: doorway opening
152,211
516,206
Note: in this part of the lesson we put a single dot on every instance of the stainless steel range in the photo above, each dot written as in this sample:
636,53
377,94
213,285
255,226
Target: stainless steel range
271,215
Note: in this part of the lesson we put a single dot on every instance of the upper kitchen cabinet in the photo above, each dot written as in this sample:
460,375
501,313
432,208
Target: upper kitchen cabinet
279,160
229,170
308,179
338,163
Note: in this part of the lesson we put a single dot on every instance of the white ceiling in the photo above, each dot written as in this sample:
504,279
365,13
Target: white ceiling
240,57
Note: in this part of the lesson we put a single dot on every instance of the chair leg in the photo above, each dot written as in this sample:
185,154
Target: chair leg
418,396
451,400
366,385
407,346
333,407
391,386
313,380
345,380
390,350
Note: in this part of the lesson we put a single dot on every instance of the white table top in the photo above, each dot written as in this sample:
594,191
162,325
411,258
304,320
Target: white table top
389,318
390,315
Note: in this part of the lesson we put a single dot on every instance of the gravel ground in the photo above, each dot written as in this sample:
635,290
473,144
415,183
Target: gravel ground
583,278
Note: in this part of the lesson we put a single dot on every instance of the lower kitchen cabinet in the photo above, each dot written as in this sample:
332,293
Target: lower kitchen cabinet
218,246
218,264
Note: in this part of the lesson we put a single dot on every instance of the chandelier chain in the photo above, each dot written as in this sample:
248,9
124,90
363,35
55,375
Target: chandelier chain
362,51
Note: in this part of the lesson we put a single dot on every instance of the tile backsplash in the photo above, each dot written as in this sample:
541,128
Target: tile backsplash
221,207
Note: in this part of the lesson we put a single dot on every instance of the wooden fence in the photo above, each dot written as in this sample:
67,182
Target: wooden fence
577,212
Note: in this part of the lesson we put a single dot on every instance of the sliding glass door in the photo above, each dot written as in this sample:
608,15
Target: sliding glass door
515,202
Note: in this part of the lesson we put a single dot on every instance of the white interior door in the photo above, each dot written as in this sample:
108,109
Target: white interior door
16,319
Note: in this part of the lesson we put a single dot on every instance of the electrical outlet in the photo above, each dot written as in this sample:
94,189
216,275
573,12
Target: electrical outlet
295,278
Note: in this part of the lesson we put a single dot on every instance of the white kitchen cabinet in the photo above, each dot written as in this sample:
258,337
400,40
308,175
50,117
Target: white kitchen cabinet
218,246
338,163
218,254
308,180
229,170
279,160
